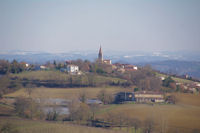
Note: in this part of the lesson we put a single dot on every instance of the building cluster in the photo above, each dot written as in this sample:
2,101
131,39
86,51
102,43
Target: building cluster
124,67
140,97
192,87
74,69
117,66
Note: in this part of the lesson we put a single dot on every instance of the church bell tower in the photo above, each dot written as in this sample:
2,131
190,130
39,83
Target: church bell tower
100,56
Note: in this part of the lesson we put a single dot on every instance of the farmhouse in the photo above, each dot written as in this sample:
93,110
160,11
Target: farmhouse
43,67
124,97
25,64
149,96
140,96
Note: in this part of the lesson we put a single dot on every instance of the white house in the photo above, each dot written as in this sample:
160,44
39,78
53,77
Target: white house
135,68
162,78
72,68
109,62
43,67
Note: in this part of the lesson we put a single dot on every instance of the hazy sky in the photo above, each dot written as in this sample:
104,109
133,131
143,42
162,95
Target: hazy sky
66,25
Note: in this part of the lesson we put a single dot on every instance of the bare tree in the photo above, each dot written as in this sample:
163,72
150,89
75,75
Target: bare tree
79,112
150,83
52,115
73,107
135,123
120,119
83,113
27,107
111,118
29,89
105,97
163,125
148,125
83,96
102,95
94,108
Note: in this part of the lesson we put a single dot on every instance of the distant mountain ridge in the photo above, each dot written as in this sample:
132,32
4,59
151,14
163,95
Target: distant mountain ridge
115,56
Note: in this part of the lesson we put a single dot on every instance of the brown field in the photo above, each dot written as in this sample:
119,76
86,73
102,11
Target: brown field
176,116
188,99
183,116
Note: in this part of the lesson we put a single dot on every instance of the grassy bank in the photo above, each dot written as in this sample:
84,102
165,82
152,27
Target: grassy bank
30,126
67,93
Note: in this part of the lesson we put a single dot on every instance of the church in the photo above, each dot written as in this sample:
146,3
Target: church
100,58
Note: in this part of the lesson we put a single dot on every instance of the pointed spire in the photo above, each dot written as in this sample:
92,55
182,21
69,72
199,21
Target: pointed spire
100,56
100,51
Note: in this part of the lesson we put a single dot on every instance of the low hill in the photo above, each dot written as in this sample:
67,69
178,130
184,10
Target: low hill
59,79
191,68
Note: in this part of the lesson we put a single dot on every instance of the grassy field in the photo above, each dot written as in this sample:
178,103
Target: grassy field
66,93
60,76
174,78
41,75
29,126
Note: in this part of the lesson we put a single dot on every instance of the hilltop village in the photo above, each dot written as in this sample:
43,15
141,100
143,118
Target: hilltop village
145,85
57,77
74,69
105,66
96,94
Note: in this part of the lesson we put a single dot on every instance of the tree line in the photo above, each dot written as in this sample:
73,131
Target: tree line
13,66
144,78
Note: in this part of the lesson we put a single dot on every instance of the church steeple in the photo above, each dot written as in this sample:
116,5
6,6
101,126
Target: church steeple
100,56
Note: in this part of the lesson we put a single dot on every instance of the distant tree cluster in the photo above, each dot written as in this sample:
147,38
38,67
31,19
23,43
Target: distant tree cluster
79,112
82,113
52,115
105,97
168,82
144,78
12,67
28,108
7,85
